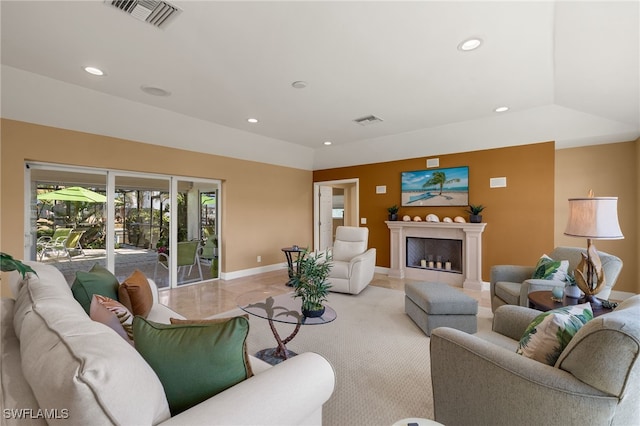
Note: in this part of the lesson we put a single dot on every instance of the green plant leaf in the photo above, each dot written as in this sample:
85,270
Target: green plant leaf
8,264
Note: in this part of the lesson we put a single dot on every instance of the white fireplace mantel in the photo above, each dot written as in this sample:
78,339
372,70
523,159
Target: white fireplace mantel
469,233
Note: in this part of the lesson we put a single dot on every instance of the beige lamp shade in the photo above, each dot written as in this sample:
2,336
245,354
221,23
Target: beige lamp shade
594,218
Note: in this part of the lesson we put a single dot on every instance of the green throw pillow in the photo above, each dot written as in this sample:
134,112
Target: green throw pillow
549,269
550,332
193,361
97,281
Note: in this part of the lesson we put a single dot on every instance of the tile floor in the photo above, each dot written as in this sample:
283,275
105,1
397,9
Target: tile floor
214,297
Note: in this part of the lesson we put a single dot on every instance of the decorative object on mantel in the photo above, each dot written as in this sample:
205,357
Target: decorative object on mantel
459,219
593,218
393,212
406,218
447,219
474,211
432,218
417,219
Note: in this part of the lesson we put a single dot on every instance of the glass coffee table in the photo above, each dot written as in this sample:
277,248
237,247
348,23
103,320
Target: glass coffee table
283,309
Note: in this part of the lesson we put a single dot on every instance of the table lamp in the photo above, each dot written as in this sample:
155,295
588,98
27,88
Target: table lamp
593,218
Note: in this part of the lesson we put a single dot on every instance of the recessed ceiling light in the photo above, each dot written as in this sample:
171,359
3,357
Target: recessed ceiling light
328,143
501,109
470,44
94,71
252,120
299,84
154,91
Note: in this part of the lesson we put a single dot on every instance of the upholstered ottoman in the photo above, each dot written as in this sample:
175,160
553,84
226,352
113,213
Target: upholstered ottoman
432,305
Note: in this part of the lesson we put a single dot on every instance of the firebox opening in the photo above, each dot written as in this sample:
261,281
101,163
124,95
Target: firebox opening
435,253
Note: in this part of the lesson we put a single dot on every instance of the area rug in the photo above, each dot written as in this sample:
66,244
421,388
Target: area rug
381,358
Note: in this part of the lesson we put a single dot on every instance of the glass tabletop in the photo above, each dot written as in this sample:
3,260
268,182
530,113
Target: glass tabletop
281,308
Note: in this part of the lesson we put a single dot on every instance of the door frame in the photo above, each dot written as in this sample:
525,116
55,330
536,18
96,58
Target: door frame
316,204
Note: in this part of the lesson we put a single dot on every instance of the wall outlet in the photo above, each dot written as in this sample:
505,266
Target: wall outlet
259,259
363,221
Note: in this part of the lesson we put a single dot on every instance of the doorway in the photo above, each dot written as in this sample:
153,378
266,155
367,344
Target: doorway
335,203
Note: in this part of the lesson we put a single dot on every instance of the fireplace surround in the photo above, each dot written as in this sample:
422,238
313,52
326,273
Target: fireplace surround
426,239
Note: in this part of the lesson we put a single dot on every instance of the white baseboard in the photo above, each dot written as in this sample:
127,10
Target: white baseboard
252,271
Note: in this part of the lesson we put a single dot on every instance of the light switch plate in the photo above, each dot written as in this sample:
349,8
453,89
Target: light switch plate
498,182
433,162
363,221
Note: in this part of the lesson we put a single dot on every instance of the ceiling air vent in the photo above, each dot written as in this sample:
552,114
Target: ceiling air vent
369,119
157,13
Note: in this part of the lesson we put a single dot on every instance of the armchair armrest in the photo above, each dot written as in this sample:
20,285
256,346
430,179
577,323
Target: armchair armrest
366,256
498,386
536,284
512,320
290,393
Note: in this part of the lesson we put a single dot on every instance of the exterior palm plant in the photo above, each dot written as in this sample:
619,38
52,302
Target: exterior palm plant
440,179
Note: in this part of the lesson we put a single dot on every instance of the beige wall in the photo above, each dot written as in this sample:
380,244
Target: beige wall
265,207
610,170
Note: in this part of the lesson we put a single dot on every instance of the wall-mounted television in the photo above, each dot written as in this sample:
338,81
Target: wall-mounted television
436,187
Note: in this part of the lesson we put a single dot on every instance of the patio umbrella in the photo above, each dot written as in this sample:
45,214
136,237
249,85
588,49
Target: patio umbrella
74,193
207,200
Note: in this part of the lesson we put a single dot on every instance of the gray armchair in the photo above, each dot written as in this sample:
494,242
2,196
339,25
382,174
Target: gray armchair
480,380
511,284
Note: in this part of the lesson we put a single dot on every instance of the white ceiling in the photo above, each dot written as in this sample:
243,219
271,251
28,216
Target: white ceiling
569,71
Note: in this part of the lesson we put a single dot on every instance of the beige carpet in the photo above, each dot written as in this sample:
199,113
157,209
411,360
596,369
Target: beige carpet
380,356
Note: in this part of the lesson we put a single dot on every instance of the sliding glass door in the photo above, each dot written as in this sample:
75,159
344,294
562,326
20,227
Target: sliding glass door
165,226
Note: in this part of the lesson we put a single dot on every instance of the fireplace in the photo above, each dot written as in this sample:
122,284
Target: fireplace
434,253
458,245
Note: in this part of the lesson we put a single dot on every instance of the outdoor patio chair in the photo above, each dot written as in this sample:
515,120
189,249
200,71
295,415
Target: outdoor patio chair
53,242
188,257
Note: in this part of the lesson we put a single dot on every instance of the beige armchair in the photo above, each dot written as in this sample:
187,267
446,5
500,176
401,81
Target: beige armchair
353,263
480,380
511,284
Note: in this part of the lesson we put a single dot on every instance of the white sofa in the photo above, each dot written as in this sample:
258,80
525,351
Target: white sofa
60,365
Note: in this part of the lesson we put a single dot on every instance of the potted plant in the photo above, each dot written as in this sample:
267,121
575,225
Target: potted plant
8,263
309,281
393,212
474,211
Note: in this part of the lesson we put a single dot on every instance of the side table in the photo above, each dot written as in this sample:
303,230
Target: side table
288,254
543,301
285,309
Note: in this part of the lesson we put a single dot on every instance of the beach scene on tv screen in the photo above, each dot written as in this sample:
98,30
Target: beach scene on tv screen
437,187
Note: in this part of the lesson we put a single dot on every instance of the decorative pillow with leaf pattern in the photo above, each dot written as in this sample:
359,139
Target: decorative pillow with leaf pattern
549,269
550,332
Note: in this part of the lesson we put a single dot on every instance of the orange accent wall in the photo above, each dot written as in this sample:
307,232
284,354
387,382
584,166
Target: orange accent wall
520,217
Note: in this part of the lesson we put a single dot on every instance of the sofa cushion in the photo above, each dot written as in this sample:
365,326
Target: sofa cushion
112,314
193,361
550,269
217,321
78,364
135,294
97,281
550,332
17,394
509,292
